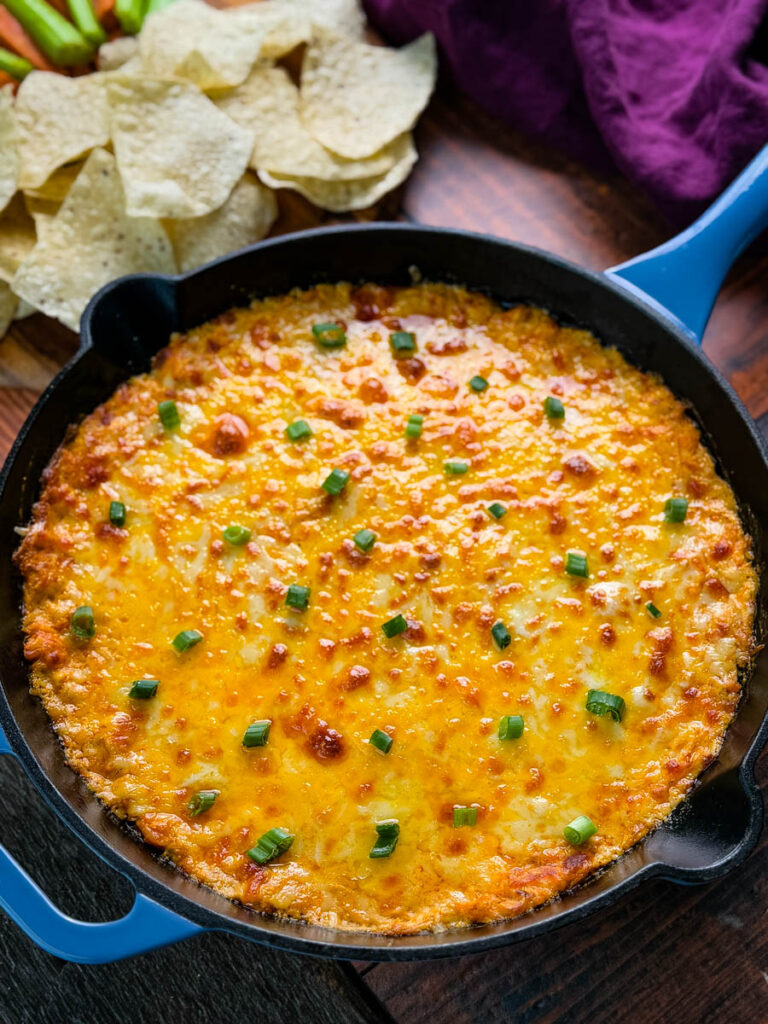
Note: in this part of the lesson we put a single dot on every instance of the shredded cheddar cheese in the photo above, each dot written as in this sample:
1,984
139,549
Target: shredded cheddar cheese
225,511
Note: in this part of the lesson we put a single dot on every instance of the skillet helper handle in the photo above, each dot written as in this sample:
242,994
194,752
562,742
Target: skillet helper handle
147,926
683,276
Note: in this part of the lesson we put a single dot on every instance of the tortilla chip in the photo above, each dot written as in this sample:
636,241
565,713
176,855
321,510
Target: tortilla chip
8,306
267,105
213,49
179,155
117,52
90,242
294,20
55,188
42,212
356,98
245,218
58,119
17,237
343,196
9,155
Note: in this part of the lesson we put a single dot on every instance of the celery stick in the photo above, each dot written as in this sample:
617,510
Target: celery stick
158,5
56,37
84,17
130,14
14,65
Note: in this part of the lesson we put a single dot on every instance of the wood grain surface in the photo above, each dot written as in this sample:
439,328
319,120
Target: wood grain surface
665,953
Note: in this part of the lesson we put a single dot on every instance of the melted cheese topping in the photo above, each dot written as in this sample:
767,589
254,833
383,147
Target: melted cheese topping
327,677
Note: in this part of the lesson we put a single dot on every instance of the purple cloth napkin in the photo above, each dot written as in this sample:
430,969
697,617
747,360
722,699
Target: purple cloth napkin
666,87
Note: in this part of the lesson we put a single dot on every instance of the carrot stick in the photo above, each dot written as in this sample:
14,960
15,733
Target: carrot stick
15,38
56,36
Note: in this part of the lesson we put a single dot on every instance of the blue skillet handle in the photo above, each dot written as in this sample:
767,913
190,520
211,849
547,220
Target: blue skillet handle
147,926
682,277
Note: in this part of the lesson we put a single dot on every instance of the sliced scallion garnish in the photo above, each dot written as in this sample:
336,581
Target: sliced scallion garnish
576,564
511,727
675,510
298,430
298,597
381,740
186,638
257,733
202,801
143,689
329,335
336,481
554,408
464,816
501,635
364,539
402,343
600,702
413,426
393,627
169,414
236,535
579,830
117,513
271,845
387,834
82,623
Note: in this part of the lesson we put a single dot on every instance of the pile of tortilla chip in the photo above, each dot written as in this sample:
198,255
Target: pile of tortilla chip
167,157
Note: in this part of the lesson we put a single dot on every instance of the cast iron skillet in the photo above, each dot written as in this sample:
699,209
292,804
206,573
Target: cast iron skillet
653,308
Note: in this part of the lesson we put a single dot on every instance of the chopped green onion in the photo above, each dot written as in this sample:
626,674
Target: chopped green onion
652,610
169,414
456,467
364,539
675,510
83,15
554,408
413,426
56,37
511,727
478,383
14,65
463,816
393,627
497,510
501,635
381,740
402,343
271,845
130,14
387,834
186,638
143,689
236,535
600,702
257,733
117,513
202,801
298,430
576,564
329,335
579,830
297,597
336,481
81,623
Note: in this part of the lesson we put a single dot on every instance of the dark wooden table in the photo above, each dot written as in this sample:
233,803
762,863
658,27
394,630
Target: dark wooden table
665,953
